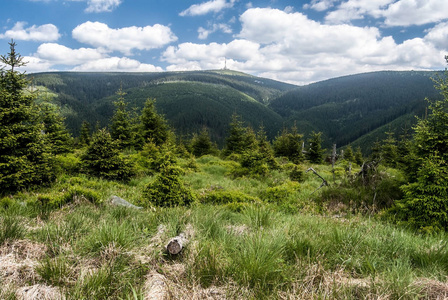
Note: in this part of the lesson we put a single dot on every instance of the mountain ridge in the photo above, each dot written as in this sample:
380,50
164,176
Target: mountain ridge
345,108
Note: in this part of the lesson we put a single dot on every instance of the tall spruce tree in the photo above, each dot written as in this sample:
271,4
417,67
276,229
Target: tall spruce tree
201,143
85,136
235,141
389,150
265,148
289,144
240,138
425,205
120,128
154,126
25,157
102,158
55,130
315,153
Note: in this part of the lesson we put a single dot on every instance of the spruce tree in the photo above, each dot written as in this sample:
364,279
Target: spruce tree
348,154
235,141
168,189
120,128
389,150
201,143
55,130
315,153
265,148
358,156
289,144
425,204
102,159
85,136
154,126
25,157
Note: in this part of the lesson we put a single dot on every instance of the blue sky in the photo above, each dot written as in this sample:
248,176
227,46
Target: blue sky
292,41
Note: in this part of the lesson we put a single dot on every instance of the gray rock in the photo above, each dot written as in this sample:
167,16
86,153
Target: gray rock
115,200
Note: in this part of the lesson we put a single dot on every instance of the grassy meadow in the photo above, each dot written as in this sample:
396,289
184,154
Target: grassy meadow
249,237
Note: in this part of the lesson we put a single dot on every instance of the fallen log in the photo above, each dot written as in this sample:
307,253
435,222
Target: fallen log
176,244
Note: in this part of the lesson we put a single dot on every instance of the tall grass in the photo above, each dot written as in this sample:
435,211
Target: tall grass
274,247
11,228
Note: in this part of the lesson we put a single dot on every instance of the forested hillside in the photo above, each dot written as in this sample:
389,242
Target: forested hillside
192,99
355,109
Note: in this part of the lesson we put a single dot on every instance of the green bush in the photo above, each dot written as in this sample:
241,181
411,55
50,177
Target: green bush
68,163
252,163
158,156
102,159
280,193
168,189
380,192
425,203
6,202
237,206
75,193
220,197
297,174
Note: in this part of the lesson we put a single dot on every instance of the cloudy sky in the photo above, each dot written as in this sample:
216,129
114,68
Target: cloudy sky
292,41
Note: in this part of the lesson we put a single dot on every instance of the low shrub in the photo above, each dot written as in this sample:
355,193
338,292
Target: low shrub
69,163
297,174
103,159
280,193
74,194
6,202
221,197
168,189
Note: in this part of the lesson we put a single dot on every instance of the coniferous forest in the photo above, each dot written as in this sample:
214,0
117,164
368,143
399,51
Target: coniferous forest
221,185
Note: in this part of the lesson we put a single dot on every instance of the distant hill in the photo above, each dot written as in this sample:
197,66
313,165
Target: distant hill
190,100
354,109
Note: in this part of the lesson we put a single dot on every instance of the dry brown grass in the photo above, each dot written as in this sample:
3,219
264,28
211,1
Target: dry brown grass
39,292
319,283
18,260
432,289
173,285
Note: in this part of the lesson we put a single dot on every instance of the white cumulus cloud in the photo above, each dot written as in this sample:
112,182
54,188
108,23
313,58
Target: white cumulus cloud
124,39
116,64
394,13
102,5
416,12
207,7
94,6
59,54
438,36
291,47
204,33
35,64
42,33
320,5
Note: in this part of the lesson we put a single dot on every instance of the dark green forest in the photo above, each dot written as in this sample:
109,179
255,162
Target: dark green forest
354,110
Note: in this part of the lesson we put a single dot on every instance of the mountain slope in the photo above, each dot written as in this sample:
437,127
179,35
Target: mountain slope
191,105
349,107
189,100
354,109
